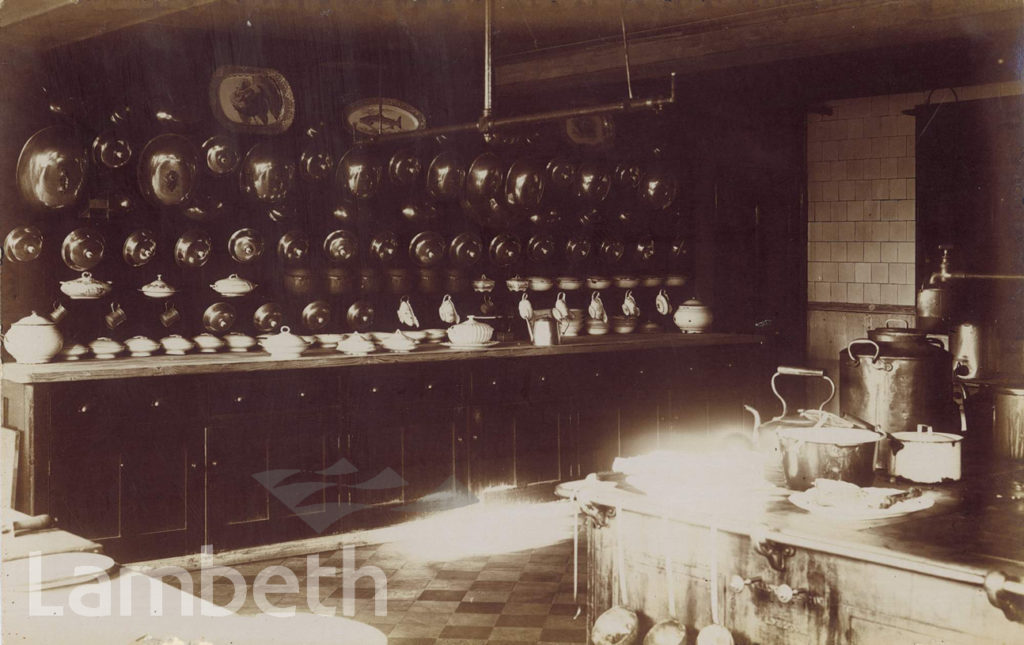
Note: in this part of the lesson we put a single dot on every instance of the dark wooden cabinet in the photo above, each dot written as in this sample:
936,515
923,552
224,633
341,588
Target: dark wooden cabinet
162,465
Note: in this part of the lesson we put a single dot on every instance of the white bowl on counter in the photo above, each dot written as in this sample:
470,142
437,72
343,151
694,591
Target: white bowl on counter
176,345
141,346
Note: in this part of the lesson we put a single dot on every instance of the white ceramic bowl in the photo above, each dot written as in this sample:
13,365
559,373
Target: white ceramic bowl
540,283
569,283
626,281
597,282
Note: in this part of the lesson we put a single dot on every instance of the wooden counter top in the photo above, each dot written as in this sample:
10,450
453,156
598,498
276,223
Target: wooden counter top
258,361
974,527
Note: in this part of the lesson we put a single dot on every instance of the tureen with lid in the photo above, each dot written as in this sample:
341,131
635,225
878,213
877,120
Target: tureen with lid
33,339
284,344
470,332
158,288
356,344
85,287
399,342
233,286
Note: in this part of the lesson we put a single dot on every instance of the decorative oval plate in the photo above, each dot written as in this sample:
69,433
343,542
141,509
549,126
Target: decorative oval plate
251,99
490,343
383,116
57,570
590,130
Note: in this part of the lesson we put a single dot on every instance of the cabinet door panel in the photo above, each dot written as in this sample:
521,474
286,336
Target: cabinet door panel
536,441
158,466
375,450
85,481
238,505
428,464
491,452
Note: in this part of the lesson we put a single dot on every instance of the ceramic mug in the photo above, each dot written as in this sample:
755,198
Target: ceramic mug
116,317
169,315
59,312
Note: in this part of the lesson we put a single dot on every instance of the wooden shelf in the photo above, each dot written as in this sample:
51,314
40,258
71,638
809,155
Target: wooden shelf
258,361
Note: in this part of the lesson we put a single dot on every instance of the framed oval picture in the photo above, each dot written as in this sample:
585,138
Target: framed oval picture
251,99
590,130
380,116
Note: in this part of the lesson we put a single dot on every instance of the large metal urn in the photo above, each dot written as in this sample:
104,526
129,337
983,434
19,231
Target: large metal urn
896,379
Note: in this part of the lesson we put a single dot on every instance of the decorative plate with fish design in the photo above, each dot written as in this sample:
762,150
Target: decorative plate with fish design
383,116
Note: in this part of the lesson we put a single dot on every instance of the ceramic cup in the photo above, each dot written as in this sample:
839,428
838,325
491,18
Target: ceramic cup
116,317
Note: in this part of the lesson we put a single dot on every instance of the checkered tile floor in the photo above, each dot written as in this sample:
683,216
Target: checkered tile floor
523,596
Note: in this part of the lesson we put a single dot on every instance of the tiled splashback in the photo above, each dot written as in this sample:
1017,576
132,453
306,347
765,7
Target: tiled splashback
860,234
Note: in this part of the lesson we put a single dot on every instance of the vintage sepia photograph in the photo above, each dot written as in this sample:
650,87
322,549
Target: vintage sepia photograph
482,322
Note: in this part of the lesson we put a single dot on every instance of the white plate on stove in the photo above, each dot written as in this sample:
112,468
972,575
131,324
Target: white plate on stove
856,513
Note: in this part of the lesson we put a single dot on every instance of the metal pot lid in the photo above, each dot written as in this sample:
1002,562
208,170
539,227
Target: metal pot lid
316,315
359,173
612,250
421,214
111,149
561,173
293,246
360,315
897,335
627,175
525,183
268,317
245,245
82,249
645,249
219,317
52,168
405,168
659,189
927,437
344,211
541,248
168,170
427,248
23,244
546,217
193,249
341,246
221,154
139,248
384,246
445,176
505,249
316,161
466,249
592,182
267,173
578,248
484,180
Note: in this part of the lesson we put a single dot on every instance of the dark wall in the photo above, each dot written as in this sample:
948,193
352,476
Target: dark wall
738,168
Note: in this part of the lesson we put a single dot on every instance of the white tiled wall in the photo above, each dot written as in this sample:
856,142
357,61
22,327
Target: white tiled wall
861,195
861,191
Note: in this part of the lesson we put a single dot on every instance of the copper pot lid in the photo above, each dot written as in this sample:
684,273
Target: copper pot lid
578,248
219,317
427,248
111,149
659,189
193,249
384,246
445,176
644,249
466,249
139,248
245,245
562,174
405,168
359,173
590,217
505,249
541,248
592,182
267,173
484,180
268,317
293,246
421,214
525,184
360,315
316,161
341,246
221,154
168,169
612,250
316,315
82,249
627,176
52,168
344,211
546,217
23,244
204,206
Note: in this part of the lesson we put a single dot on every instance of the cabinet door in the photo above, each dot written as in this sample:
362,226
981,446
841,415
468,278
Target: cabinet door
304,491
428,458
639,408
536,443
491,451
597,426
374,448
86,467
237,504
162,491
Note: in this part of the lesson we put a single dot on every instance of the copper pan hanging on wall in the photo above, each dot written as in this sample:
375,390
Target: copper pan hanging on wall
267,173
168,168
52,168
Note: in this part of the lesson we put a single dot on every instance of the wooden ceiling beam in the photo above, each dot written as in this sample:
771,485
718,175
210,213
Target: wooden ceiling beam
784,32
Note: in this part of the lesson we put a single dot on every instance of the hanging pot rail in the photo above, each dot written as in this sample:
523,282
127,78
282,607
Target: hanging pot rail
486,124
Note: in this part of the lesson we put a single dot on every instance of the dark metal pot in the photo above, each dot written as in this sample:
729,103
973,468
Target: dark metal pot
896,379
845,454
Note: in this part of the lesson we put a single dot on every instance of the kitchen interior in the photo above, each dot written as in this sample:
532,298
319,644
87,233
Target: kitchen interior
591,322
